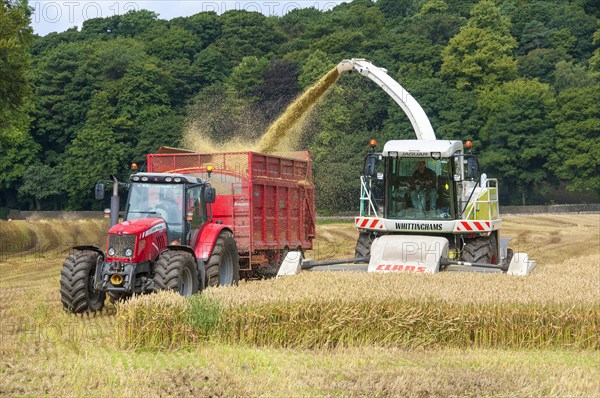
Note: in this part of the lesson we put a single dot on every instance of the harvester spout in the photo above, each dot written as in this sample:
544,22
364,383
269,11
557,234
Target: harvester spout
417,116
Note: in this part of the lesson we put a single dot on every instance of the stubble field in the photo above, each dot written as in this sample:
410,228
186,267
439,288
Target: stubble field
44,351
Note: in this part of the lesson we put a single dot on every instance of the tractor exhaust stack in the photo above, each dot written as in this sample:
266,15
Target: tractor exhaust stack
114,203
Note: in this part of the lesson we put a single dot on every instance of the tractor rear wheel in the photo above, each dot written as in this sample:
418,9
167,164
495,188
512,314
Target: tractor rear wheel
77,291
480,250
176,270
223,267
363,245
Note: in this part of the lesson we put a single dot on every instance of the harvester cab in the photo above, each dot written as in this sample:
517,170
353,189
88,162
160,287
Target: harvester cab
437,211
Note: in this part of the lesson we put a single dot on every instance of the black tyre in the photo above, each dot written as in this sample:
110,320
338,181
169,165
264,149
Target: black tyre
480,250
176,270
223,267
363,245
77,291
509,255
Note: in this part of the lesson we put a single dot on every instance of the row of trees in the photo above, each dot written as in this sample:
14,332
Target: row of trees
520,79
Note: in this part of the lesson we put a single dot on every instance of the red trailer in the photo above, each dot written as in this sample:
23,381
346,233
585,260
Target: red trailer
267,200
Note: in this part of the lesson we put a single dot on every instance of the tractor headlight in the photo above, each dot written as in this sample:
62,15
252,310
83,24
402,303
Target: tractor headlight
128,252
111,251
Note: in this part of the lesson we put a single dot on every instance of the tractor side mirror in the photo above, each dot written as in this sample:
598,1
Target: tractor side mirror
99,191
371,167
209,195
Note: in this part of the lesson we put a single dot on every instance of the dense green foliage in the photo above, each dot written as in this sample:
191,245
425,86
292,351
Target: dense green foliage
520,79
17,148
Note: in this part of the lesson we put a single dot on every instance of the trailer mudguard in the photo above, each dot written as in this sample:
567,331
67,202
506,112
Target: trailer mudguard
207,238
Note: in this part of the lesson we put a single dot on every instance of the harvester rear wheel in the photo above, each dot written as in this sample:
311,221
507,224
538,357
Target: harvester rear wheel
77,291
176,270
223,267
480,250
363,245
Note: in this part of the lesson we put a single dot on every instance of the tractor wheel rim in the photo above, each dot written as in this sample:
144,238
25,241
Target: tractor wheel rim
226,270
185,289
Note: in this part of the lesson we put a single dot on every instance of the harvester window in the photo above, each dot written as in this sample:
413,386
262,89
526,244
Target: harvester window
419,188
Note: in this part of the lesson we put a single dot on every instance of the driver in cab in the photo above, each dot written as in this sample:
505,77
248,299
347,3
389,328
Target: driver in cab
423,187
170,205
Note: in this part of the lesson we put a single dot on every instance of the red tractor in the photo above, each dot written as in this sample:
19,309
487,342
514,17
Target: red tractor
177,234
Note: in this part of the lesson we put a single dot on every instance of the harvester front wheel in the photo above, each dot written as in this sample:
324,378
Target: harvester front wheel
176,270
223,267
363,246
480,250
77,291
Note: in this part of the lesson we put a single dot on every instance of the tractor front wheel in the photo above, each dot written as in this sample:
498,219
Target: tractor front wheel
223,267
77,291
176,270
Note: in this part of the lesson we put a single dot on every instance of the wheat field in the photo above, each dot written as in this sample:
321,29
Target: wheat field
46,352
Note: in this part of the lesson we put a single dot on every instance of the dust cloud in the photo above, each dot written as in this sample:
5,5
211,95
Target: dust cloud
283,135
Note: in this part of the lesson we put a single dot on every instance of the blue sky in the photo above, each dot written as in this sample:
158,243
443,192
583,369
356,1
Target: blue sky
58,16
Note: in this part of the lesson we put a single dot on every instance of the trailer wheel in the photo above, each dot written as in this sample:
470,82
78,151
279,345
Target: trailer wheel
223,267
363,245
176,270
480,250
77,291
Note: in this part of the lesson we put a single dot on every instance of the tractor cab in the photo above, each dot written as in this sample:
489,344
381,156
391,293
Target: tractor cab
182,201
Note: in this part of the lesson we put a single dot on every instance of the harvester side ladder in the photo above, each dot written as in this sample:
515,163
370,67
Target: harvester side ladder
365,198
486,199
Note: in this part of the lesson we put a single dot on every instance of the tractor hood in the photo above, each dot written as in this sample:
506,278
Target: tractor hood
138,226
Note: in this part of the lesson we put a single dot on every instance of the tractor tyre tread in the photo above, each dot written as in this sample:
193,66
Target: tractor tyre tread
224,242
75,296
170,266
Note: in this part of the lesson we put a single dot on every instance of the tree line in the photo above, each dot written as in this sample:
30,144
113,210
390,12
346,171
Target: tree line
519,79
